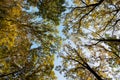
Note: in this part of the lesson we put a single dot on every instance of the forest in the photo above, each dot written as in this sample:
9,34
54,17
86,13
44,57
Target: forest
83,34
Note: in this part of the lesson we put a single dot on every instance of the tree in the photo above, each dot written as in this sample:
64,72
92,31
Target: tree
92,28
18,32
52,11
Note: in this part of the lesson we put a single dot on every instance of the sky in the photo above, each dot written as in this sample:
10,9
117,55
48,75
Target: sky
60,28
56,63
57,59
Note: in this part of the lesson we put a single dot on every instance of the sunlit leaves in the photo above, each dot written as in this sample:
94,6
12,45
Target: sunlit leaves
8,30
19,31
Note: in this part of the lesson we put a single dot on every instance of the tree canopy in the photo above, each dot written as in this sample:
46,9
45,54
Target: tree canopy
91,50
29,39
19,31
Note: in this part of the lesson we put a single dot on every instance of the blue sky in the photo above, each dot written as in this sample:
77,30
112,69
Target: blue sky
56,63
60,28
57,60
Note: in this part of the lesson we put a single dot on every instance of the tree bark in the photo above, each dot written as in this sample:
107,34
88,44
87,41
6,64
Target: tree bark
107,40
93,72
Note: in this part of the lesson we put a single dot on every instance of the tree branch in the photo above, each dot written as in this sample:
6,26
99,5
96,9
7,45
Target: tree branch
107,40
